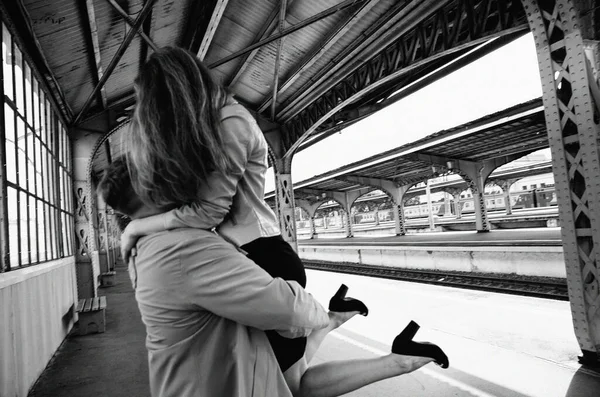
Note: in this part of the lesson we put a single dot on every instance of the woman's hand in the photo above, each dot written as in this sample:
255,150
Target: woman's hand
129,238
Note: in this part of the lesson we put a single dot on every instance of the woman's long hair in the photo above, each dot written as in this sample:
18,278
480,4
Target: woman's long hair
174,140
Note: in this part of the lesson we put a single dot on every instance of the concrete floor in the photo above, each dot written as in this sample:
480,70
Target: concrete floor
112,364
499,345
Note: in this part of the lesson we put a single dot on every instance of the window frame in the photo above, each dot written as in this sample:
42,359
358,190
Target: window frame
41,193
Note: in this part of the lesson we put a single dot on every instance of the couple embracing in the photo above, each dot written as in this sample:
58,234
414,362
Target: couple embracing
220,292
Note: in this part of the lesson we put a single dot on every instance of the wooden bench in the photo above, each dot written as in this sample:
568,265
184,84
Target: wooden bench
91,315
107,279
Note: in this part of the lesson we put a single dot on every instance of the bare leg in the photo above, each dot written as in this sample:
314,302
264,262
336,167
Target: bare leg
293,376
315,339
340,377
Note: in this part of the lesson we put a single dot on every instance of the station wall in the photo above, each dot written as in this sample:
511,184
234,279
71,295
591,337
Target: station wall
37,311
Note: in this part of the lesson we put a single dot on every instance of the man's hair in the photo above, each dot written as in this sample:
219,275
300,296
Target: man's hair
116,189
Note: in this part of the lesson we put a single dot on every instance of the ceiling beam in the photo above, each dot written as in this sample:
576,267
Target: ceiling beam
282,15
215,20
123,102
117,57
93,26
315,18
131,22
324,45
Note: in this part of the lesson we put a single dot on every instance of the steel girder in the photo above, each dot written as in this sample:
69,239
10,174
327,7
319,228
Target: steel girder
573,137
455,26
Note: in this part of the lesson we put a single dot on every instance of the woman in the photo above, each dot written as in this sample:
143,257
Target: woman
193,147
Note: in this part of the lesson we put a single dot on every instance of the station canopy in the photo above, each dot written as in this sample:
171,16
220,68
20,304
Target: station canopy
505,135
308,67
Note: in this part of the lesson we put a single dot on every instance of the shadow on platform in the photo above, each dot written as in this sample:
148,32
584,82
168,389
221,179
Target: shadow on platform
114,363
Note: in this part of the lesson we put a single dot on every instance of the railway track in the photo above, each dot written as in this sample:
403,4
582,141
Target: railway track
540,287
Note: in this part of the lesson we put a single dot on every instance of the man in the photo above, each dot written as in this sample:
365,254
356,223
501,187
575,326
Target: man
205,305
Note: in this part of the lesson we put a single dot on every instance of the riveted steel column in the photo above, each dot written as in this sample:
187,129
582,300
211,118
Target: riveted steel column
573,137
471,173
102,235
456,196
285,201
399,224
87,264
505,184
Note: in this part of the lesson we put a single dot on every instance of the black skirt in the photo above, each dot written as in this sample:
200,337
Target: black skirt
277,258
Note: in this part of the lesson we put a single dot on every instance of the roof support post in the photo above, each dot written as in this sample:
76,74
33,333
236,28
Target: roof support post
311,210
505,184
456,196
285,203
559,29
394,190
475,174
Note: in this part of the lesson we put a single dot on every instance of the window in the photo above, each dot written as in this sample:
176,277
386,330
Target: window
38,174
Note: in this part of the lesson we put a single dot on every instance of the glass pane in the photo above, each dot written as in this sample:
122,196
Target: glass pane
23,222
30,161
7,60
48,231
45,173
11,161
53,181
41,230
42,116
19,79
51,232
28,90
33,230
39,179
61,151
70,195
50,127
21,154
65,234
63,189
13,228
36,107
71,236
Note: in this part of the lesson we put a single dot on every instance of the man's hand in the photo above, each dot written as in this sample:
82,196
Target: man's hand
128,240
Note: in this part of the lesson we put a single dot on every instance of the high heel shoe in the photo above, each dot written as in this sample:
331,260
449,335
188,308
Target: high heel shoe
403,344
339,303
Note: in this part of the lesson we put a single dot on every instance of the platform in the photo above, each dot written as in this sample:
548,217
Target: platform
522,237
499,345
524,252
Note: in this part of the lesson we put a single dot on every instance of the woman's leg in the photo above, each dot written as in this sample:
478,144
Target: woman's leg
340,377
316,337
336,378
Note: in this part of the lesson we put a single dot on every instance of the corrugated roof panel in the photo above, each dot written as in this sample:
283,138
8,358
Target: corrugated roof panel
351,36
168,19
121,80
239,25
57,26
260,72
